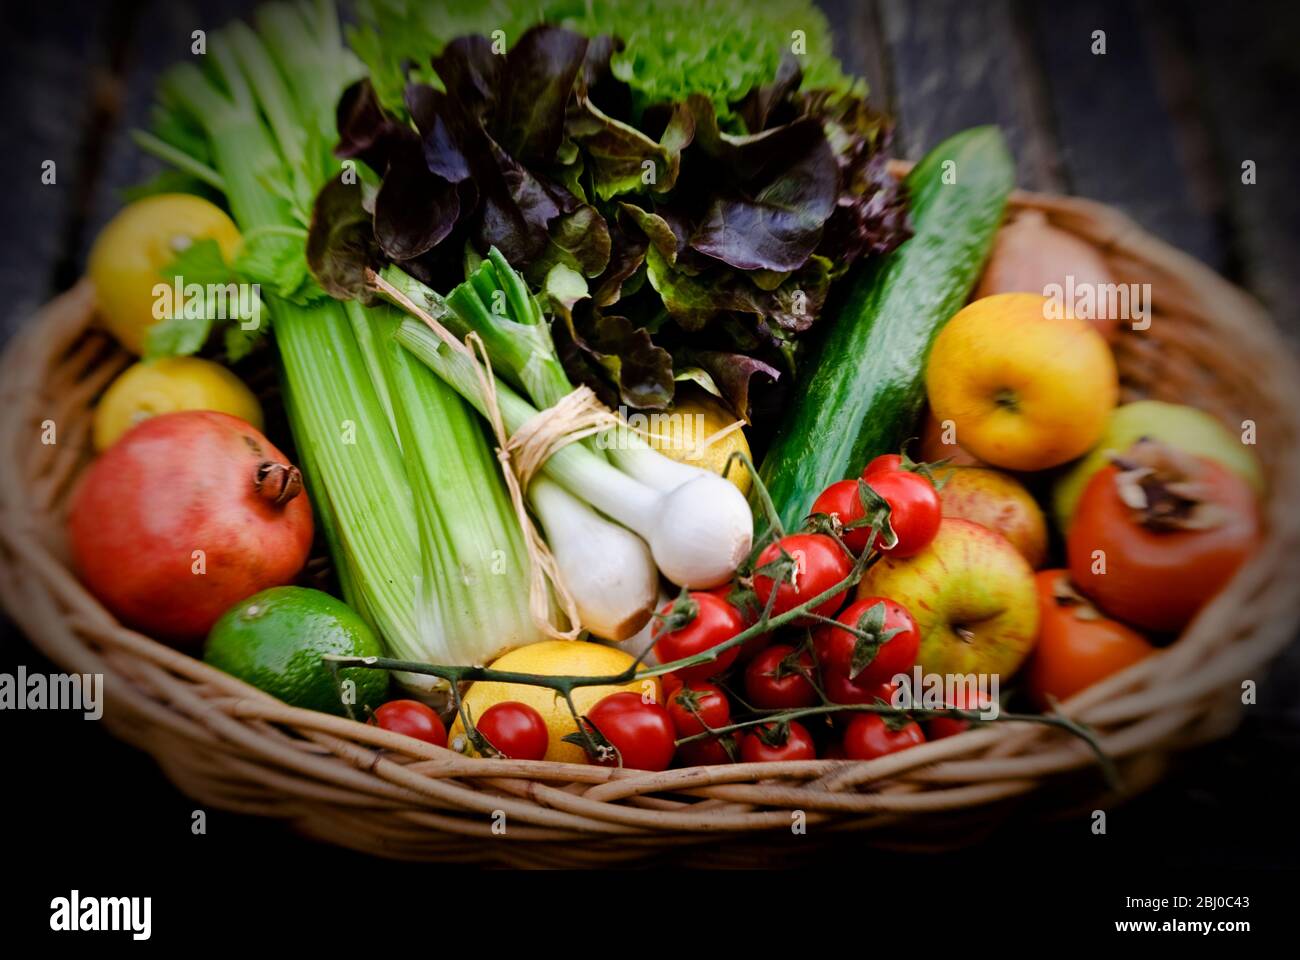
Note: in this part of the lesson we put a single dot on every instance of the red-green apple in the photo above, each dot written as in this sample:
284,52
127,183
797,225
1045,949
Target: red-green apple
997,501
972,595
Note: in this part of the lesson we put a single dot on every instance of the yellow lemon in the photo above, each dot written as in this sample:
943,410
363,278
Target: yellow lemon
682,432
553,658
131,251
162,386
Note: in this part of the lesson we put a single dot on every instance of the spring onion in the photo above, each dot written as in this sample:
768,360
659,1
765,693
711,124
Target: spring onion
698,531
709,514
608,569
608,572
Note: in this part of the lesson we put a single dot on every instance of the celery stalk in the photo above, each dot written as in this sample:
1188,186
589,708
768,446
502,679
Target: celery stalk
518,342
467,525
409,496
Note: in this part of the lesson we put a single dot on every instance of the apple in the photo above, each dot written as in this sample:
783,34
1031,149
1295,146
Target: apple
973,598
999,502
935,443
1025,389
1183,428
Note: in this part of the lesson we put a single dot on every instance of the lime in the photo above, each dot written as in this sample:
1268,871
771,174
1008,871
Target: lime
275,640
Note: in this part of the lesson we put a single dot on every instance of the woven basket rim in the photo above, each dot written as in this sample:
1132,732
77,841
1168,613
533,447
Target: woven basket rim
233,746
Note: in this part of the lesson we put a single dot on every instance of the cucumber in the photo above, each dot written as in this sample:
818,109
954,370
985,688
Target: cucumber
860,390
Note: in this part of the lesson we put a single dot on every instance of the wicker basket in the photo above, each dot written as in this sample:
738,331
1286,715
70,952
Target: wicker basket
231,746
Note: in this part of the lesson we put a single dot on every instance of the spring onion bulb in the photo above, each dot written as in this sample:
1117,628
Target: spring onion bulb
607,569
638,459
698,532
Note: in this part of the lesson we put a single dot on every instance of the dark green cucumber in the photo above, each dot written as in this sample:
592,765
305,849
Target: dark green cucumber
860,391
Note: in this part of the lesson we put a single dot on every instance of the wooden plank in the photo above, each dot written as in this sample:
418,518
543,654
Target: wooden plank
857,35
1247,80
957,64
1118,142
53,77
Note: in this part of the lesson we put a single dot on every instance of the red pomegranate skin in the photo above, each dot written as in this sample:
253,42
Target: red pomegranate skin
182,482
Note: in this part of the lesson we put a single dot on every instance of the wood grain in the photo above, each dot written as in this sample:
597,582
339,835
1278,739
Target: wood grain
1118,142
51,73
1248,81
162,38
956,65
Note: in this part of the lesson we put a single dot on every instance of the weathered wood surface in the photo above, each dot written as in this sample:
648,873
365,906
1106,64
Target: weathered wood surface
50,75
1120,141
956,65
1246,72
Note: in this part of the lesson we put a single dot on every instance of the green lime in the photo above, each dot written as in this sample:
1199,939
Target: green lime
275,640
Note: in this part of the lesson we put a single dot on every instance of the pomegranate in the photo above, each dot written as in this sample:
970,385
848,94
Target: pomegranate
183,517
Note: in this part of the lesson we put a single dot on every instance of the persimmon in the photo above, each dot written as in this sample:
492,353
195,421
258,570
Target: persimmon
1159,533
1078,646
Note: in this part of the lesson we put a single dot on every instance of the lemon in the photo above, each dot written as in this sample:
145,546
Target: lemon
131,251
275,640
681,432
147,389
552,658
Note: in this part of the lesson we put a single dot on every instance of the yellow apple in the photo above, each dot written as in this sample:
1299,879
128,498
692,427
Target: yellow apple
973,598
1025,389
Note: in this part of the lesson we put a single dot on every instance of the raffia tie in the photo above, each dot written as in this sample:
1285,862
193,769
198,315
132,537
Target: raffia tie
575,417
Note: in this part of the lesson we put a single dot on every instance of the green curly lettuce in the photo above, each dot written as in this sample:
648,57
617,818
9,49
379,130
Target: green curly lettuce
672,48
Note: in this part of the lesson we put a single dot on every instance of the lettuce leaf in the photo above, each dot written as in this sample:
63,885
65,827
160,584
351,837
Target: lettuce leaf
669,49
702,230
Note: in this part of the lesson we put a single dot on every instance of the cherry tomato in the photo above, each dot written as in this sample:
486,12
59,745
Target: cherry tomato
708,753
1145,569
693,624
842,501
726,592
914,510
749,611
642,732
840,689
1077,646
773,742
936,728
413,719
777,679
515,730
819,564
869,736
671,683
885,463
711,709
864,662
